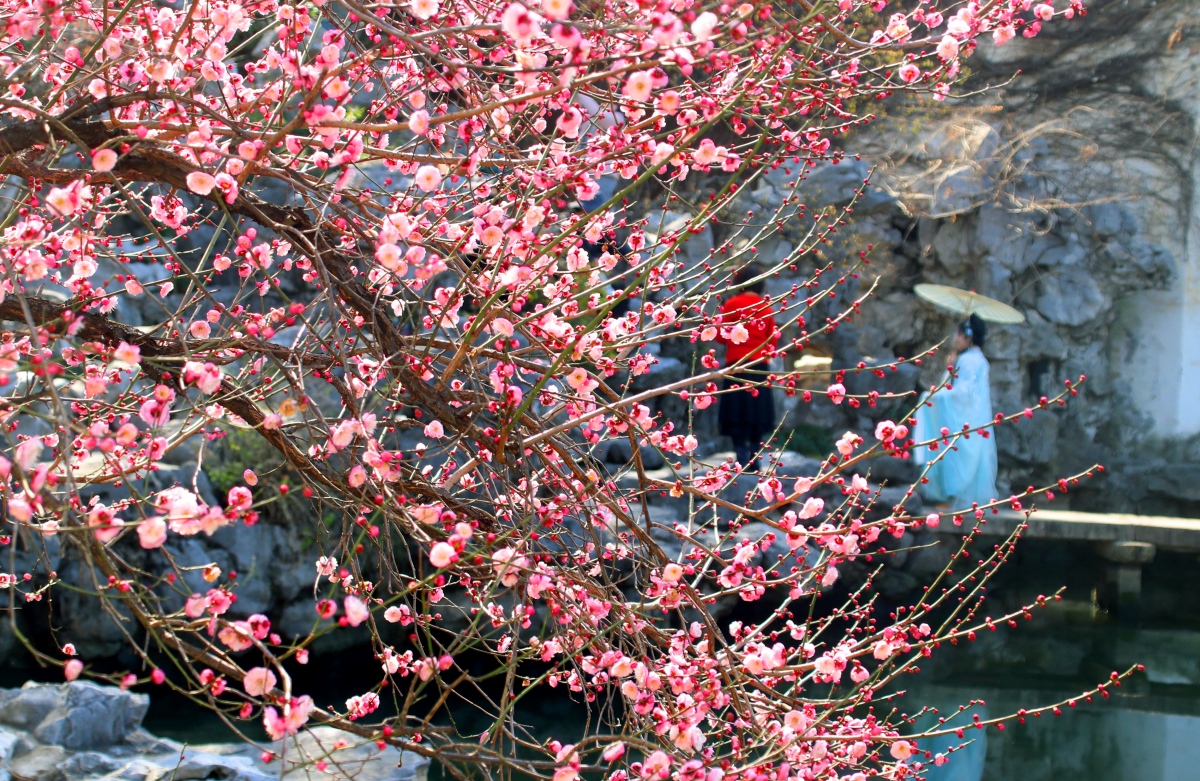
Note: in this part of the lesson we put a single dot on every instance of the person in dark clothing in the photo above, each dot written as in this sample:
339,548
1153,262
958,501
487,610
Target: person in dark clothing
748,330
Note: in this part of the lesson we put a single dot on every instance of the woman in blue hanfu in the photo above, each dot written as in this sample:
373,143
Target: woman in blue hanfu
965,473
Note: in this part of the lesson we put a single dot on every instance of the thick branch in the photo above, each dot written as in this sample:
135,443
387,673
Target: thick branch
161,361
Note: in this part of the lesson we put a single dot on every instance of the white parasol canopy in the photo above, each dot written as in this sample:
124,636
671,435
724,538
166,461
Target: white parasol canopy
968,302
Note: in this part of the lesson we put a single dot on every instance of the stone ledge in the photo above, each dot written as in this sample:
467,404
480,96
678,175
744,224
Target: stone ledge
1180,534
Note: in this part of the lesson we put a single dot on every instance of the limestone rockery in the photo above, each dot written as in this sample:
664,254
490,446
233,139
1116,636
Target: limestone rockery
1068,193
80,731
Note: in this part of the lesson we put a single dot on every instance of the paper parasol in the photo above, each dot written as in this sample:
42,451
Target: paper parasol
968,302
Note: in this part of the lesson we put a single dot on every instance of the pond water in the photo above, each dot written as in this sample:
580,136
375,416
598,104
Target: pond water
1148,730
1128,738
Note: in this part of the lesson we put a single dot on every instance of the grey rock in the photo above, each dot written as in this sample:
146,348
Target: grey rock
652,458
1030,440
994,229
994,279
962,139
1106,219
288,336
896,471
962,188
1017,253
755,532
193,553
197,766
296,620
952,246
40,764
142,741
10,744
90,716
28,706
793,465
829,184
619,452
87,764
135,755
896,584
252,549
894,496
93,630
1135,264
896,316
771,254
900,381
361,759
929,557
1071,297
290,569
765,196
1177,481
736,492
1090,359
1040,340
876,231
1059,255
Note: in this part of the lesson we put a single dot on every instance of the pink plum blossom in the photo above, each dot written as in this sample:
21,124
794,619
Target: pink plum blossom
424,9
418,122
457,332
428,178
104,160
152,532
259,681
294,716
201,183
947,48
909,72
356,610
128,354
442,555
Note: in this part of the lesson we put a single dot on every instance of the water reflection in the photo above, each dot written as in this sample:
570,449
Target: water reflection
965,764
1148,730
1115,741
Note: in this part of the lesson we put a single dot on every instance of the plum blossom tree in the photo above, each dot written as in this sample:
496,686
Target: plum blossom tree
220,215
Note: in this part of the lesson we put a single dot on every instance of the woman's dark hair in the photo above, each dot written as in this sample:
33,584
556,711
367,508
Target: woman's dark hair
743,275
974,329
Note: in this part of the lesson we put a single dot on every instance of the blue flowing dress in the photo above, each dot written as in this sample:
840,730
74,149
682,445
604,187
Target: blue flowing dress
967,475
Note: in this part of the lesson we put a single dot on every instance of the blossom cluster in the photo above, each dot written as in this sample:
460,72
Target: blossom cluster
400,243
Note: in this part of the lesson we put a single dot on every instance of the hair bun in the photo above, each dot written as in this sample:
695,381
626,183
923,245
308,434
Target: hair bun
974,329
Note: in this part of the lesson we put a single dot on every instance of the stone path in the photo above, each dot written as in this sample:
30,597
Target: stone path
1127,543
1182,534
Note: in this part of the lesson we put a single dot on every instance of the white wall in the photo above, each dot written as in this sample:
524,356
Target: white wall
1157,335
